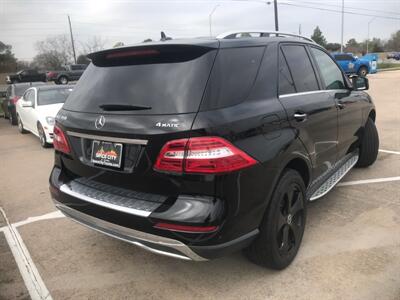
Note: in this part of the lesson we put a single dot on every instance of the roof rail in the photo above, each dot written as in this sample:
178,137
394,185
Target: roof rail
262,33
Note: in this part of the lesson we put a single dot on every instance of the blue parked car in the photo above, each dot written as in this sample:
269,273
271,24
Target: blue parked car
353,65
373,58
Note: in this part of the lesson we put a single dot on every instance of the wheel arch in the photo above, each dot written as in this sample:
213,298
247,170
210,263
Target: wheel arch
372,115
299,164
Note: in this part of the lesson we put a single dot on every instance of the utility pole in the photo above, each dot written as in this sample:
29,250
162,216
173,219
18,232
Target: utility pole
72,39
299,29
210,17
341,43
276,15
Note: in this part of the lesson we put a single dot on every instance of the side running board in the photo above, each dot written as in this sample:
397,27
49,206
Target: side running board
323,185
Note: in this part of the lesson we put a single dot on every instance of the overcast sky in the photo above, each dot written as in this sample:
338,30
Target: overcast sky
23,22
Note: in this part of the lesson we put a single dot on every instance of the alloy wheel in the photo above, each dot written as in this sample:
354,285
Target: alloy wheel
42,136
290,224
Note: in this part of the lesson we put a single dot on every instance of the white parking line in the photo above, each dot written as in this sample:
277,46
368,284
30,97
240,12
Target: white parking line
53,215
356,182
27,268
389,151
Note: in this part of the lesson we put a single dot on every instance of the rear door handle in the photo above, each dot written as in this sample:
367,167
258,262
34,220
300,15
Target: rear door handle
300,117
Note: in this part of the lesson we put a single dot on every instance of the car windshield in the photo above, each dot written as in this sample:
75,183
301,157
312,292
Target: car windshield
53,96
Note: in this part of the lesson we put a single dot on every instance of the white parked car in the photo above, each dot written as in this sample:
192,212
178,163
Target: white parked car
37,109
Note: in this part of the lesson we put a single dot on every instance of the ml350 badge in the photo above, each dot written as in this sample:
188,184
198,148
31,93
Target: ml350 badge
107,154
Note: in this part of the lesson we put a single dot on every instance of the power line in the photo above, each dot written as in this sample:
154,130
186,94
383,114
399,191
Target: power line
355,8
339,11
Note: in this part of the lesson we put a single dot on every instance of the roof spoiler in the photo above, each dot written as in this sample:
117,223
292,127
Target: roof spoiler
150,53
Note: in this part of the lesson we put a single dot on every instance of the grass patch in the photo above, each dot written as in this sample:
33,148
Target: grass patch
388,65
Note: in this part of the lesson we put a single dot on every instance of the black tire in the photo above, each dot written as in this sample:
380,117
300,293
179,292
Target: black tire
363,71
42,137
369,145
63,80
12,119
21,125
282,228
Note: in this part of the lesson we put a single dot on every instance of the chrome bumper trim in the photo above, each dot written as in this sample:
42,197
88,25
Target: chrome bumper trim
129,235
107,138
67,190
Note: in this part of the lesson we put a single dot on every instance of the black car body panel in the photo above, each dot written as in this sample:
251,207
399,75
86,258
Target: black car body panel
233,89
26,76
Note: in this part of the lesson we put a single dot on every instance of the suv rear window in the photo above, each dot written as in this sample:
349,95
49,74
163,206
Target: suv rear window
167,87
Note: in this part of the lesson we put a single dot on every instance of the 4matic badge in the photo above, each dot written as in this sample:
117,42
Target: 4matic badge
167,125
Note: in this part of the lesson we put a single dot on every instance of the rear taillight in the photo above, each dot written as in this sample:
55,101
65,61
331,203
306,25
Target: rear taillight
60,142
202,155
186,228
15,99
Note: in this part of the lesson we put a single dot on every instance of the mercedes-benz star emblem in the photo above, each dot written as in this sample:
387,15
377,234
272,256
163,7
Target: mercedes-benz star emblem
100,121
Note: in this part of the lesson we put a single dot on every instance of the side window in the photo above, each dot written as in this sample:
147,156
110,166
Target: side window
30,96
232,77
330,72
300,67
286,84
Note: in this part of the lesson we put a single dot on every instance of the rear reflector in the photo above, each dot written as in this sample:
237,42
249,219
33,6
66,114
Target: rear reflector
202,155
186,228
148,52
60,142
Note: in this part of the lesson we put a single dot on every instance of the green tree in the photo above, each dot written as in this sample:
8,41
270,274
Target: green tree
393,44
82,59
7,60
333,47
318,37
353,46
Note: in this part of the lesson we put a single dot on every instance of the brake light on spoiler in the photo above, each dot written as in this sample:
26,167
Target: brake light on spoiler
202,155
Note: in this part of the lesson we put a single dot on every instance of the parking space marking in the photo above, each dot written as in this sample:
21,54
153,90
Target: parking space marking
375,180
389,151
53,215
30,274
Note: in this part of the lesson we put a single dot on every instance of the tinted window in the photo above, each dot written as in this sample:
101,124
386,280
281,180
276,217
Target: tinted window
286,84
167,87
330,73
232,76
78,67
300,68
343,57
53,96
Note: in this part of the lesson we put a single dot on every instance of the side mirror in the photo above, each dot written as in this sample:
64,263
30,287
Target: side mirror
27,104
359,83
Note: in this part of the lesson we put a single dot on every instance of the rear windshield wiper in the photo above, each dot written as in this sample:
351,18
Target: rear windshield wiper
123,107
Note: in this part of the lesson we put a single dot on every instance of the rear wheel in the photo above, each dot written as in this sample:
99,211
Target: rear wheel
282,228
63,80
369,145
20,125
42,136
363,71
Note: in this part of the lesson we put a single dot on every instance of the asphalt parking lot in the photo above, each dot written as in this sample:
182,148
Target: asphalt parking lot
351,247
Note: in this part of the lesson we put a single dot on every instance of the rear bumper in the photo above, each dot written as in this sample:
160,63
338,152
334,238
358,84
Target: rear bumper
153,243
125,223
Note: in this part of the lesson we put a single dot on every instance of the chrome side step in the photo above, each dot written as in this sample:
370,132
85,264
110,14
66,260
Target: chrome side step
335,177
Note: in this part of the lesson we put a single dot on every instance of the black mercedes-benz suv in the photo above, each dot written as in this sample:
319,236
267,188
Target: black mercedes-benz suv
198,148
